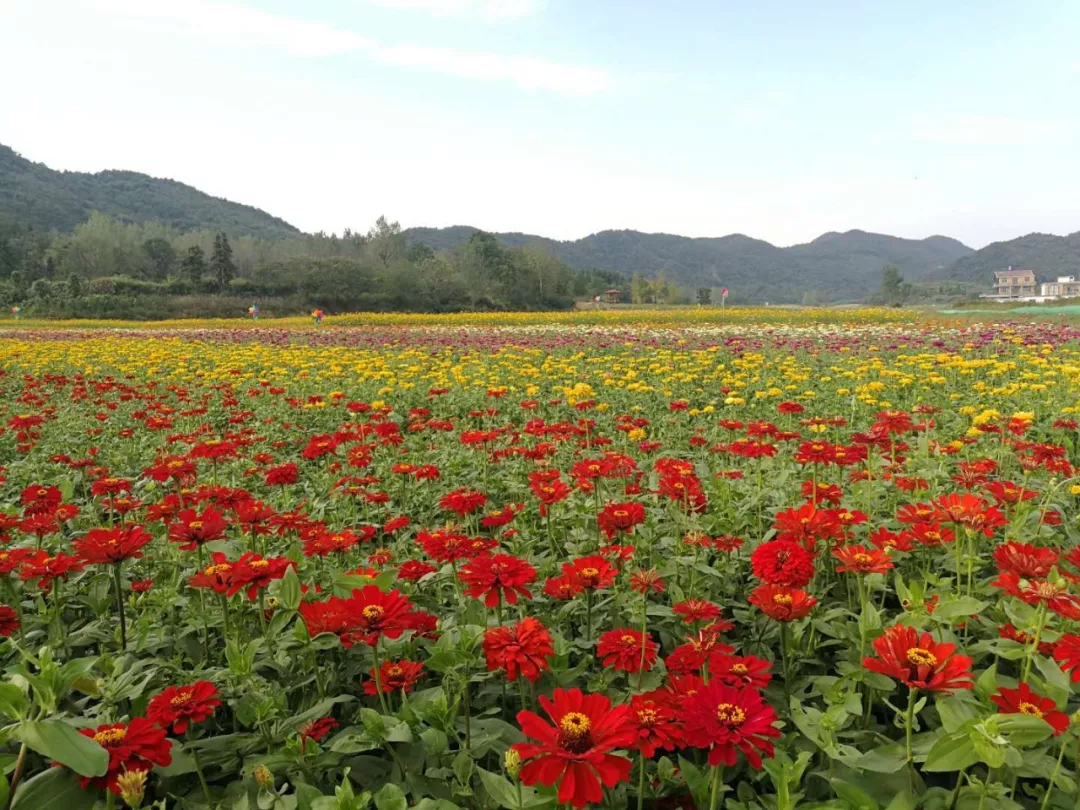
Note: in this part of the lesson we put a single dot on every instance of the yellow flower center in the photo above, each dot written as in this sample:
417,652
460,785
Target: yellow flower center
110,736
730,715
646,717
395,671
220,568
740,669
628,639
181,698
1030,708
373,612
590,572
863,559
620,513
782,599
575,725
259,565
921,658
195,524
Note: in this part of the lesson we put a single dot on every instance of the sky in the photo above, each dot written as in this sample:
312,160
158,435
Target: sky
779,119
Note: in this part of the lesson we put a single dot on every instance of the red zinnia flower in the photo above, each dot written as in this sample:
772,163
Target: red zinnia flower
523,648
1054,595
376,613
413,570
193,529
625,649
316,730
497,578
657,727
726,720
217,576
969,511
253,572
737,670
783,562
782,604
574,753
179,707
643,581
620,517
394,676
593,572
1025,560
38,498
463,501
282,474
862,560
697,610
1025,701
134,746
9,621
919,662
1067,654
106,546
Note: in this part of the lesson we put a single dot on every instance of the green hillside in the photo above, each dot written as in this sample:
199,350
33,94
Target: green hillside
33,194
1048,255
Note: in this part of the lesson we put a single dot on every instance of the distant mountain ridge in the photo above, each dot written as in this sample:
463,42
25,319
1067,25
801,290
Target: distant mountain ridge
838,266
33,194
1048,255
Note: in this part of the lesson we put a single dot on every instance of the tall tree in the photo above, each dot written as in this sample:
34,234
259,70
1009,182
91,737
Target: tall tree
194,264
704,296
893,288
160,257
387,241
222,267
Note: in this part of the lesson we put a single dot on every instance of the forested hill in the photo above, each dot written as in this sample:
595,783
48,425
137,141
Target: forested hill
33,194
838,266
1048,255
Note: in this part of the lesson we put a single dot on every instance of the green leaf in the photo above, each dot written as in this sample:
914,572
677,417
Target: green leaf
53,789
856,797
56,740
885,759
1023,729
498,787
13,701
306,796
903,801
463,767
390,797
954,712
951,753
986,685
1050,670
289,592
962,607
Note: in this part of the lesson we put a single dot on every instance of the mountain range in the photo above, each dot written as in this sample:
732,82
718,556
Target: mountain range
839,266
835,266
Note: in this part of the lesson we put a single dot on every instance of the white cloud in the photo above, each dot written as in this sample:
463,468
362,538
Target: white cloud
231,24
492,10
989,130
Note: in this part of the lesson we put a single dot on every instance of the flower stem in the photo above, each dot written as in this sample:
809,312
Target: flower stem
714,794
641,781
202,777
1033,650
1053,776
378,678
909,725
118,585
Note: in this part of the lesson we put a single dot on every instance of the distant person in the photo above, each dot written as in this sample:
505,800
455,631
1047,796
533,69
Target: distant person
16,311
316,316
253,311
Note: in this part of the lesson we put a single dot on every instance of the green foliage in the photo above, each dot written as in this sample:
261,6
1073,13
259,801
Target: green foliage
1046,254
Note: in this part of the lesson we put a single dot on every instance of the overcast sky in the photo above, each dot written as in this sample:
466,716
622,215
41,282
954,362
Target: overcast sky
781,120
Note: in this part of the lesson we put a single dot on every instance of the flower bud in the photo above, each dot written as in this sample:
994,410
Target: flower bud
512,763
263,777
132,785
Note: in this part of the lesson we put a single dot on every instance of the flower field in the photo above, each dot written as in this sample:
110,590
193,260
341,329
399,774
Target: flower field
779,561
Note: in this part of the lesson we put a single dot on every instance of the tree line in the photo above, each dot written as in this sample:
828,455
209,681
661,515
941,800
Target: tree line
109,268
